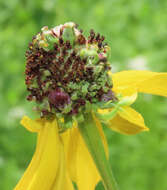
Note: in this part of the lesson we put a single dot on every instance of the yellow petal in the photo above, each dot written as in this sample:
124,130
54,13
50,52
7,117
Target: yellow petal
70,140
87,174
45,165
128,121
141,81
81,166
67,183
83,169
27,176
32,125
62,180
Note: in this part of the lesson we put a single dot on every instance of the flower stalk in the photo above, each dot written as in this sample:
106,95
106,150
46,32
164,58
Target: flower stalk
93,141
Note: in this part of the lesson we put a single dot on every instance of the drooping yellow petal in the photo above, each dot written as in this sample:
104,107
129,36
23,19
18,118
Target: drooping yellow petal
70,140
128,121
27,176
32,125
29,125
81,166
47,160
46,172
66,183
141,81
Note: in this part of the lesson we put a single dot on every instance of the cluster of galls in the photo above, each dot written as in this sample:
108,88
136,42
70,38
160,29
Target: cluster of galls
65,70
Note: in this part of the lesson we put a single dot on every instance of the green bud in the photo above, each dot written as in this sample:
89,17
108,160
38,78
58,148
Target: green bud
98,69
51,40
74,96
93,87
85,88
106,117
127,100
67,108
68,34
88,53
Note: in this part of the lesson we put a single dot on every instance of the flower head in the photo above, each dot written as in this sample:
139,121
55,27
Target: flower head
65,71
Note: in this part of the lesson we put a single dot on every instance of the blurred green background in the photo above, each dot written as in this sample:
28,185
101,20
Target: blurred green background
137,34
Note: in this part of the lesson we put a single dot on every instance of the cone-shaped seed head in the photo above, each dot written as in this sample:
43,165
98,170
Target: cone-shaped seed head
65,70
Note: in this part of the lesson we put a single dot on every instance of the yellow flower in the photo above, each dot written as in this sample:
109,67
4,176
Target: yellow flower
127,120
61,158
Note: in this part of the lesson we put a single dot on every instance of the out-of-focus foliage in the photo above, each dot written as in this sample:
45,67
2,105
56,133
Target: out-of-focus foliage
137,34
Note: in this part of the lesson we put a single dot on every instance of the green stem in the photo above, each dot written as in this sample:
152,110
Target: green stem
93,140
